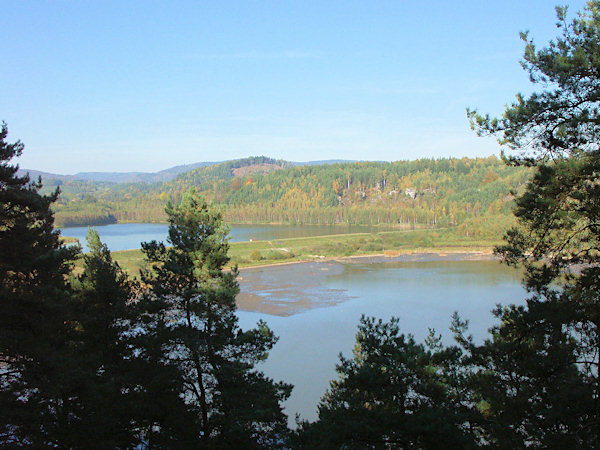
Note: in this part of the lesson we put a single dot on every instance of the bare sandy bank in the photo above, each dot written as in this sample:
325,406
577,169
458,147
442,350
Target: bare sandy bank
427,255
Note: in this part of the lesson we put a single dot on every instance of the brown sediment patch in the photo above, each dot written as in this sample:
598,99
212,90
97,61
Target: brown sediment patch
399,255
285,291
247,301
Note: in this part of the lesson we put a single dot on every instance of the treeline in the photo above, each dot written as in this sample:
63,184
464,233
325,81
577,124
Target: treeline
435,193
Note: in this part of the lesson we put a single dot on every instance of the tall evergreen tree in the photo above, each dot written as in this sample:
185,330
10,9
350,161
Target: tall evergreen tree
192,305
394,393
102,293
38,395
129,397
557,239
524,383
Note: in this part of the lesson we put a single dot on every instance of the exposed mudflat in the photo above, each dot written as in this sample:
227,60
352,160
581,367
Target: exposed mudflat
291,288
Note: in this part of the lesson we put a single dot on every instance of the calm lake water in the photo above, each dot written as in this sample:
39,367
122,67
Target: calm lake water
315,308
126,236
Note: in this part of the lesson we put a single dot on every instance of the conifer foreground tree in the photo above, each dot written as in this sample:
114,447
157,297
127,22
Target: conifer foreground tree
129,398
557,335
73,373
394,393
191,317
37,393
91,361
102,294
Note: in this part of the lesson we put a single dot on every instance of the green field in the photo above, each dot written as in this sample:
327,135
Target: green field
391,243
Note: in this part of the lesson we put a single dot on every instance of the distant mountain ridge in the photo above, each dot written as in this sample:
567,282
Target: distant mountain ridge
34,174
151,177
122,177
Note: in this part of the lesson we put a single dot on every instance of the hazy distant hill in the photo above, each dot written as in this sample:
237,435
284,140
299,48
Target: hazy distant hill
34,174
120,177
142,177
325,161
151,177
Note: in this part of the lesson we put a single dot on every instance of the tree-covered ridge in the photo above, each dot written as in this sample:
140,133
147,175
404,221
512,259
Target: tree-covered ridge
206,176
425,192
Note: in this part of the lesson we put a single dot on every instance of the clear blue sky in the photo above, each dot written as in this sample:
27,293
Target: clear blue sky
146,85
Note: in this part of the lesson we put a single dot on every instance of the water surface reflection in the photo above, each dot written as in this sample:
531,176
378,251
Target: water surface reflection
314,308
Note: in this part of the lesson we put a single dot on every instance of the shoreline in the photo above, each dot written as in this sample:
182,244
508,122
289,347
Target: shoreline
298,299
352,247
428,255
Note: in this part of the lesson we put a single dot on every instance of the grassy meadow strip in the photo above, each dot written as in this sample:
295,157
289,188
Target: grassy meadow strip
389,243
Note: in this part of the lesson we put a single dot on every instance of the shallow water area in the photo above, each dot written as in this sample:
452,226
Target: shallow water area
315,308
290,289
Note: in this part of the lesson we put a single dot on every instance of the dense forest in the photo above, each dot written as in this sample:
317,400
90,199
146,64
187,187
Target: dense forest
426,192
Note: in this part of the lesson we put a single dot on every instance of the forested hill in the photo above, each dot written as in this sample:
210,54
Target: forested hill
426,192
204,178
149,177
118,177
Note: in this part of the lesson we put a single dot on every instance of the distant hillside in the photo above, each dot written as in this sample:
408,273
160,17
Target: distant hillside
121,177
141,177
154,177
207,176
476,194
34,174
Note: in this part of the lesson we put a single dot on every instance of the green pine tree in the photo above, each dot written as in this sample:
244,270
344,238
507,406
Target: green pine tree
130,398
394,393
553,345
192,316
103,292
39,393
